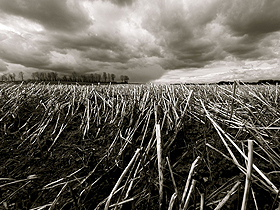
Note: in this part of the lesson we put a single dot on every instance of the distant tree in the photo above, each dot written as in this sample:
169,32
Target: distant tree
49,76
97,77
91,78
126,78
54,76
4,78
35,76
42,76
104,77
74,77
64,78
12,77
84,78
109,77
20,75
113,76
122,78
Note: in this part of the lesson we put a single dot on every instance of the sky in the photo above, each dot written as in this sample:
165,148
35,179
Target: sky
161,41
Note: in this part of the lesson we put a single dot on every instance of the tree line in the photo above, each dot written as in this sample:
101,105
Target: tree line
259,82
73,77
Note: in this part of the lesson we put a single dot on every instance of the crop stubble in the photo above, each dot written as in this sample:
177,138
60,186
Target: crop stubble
138,146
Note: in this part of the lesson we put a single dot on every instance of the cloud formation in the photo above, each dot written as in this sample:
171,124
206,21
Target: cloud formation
54,15
143,39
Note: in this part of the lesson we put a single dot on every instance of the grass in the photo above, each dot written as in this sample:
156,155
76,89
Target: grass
138,146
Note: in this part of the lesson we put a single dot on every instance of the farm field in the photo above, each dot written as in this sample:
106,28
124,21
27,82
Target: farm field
139,146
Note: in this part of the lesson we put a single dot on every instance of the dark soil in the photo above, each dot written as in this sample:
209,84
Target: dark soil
35,159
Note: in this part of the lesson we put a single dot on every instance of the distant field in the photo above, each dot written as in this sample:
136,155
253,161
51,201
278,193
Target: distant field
138,146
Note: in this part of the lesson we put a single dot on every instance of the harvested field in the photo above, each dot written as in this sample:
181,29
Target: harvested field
139,146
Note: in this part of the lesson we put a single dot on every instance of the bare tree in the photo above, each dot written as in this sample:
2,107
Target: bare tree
126,78
104,77
113,76
97,77
12,77
54,76
92,77
49,76
122,78
108,77
35,76
74,77
42,76
4,77
20,75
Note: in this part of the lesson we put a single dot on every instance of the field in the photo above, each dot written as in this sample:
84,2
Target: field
139,146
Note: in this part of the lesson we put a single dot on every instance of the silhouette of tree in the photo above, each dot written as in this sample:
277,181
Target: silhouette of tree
98,77
20,75
35,76
4,78
126,78
108,77
74,77
104,77
113,76
12,77
122,78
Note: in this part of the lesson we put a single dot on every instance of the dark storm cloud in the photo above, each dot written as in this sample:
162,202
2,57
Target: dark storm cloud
59,15
251,17
181,32
86,41
188,34
106,56
245,47
122,2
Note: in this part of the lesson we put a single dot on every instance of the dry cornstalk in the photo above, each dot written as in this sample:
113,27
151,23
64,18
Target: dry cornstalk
225,199
218,128
160,165
202,200
189,194
232,103
189,179
172,200
248,175
58,195
172,176
121,178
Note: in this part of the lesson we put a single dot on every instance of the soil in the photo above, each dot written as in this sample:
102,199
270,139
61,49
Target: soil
45,172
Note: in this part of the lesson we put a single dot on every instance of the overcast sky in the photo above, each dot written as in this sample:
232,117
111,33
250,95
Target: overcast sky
148,40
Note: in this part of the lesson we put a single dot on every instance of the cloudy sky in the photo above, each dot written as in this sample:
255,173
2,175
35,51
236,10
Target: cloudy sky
148,40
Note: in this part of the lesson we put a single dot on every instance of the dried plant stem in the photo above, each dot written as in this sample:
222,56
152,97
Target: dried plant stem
254,197
225,199
132,180
121,178
202,200
248,175
160,165
232,104
172,200
58,195
217,127
122,202
189,194
276,93
11,195
189,180
172,176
